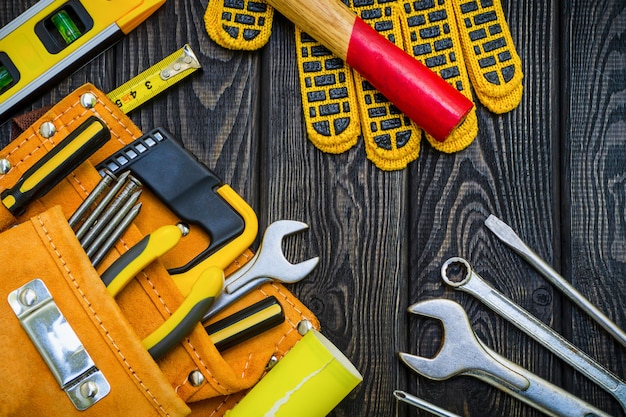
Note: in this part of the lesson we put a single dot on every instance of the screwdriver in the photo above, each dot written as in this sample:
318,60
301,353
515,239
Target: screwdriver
56,164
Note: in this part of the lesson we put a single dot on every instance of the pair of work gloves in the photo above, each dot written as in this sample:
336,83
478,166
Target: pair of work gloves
460,40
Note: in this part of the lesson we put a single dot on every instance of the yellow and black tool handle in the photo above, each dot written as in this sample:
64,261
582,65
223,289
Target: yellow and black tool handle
208,286
56,164
139,256
246,323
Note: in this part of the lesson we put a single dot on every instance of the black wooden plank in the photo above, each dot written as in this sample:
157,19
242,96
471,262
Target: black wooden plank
553,169
357,215
507,171
214,111
594,154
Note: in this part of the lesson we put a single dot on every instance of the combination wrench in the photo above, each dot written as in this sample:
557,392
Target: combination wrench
458,273
462,353
268,264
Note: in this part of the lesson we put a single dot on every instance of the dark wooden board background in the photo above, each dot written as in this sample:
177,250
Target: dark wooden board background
554,169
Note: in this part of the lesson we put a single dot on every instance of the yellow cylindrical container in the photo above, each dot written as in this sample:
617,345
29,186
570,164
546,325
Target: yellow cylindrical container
312,378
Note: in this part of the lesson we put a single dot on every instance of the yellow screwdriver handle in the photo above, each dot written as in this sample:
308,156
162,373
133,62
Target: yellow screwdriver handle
56,164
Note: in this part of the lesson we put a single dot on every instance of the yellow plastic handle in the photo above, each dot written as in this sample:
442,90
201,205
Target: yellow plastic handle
127,266
179,325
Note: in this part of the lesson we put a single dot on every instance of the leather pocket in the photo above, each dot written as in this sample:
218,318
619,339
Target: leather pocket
45,248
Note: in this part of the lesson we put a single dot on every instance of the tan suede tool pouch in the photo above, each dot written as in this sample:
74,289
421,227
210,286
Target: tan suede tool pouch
152,296
45,248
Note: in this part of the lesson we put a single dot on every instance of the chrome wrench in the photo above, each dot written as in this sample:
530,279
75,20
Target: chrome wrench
463,353
268,264
458,273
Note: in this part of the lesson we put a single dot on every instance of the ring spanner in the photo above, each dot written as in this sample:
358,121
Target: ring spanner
458,273
462,353
268,264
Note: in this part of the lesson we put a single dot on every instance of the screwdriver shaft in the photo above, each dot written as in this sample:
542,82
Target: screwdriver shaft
102,185
112,225
84,228
131,186
117,233
508,236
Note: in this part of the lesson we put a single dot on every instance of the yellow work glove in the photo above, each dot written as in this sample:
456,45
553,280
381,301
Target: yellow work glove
239,24
458,39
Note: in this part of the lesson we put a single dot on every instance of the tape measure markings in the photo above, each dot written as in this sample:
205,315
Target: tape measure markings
155,79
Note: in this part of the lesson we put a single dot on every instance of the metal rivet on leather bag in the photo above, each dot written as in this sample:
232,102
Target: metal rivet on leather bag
196,378
47,129
88,100
304,326
89,389
28,297
271,363
5,166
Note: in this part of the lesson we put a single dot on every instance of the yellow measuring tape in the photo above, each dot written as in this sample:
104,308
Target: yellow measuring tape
155,79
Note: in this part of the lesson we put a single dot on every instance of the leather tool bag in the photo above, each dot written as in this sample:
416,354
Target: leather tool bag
42,255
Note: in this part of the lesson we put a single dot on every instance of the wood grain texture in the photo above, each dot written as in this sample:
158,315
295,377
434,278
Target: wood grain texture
508,171
358,290
553,169
595,98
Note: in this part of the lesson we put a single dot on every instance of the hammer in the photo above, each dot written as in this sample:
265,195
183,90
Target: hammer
422,95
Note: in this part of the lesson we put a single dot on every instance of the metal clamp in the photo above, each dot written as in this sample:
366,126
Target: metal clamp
58,344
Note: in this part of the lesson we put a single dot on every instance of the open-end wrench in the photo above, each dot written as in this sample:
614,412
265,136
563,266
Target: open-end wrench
268,264
458,273
462,353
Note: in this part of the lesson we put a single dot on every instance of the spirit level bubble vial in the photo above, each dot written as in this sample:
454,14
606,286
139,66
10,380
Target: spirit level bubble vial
55,37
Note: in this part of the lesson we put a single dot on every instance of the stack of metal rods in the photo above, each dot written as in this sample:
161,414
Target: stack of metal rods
106,213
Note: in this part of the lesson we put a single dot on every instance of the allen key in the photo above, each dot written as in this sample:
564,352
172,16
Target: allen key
104,183
111,227
115,235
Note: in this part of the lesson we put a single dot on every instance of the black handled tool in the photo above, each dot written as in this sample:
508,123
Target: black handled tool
56,164
140,256
245,324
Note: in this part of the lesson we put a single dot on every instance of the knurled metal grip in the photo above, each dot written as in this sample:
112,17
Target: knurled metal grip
58,344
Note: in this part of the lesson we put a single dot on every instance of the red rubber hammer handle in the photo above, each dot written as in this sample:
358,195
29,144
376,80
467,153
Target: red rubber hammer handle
423,96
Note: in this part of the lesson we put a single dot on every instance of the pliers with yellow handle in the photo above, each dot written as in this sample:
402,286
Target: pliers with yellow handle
203,292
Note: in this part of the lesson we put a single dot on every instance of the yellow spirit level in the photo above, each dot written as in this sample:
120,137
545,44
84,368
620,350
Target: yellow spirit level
55,37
